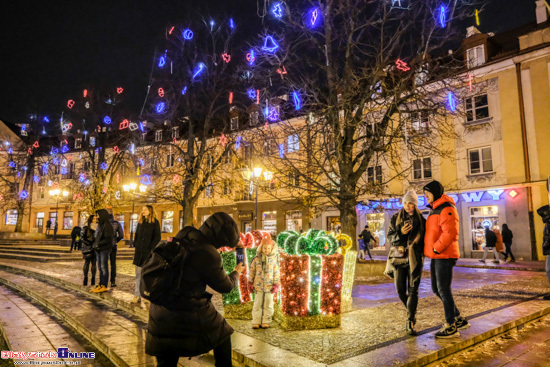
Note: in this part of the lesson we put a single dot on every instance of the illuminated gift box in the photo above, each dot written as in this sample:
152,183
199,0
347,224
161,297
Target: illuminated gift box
312,279
237,303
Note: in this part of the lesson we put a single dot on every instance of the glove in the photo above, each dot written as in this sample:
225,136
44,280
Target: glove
250,287
275,289
435,251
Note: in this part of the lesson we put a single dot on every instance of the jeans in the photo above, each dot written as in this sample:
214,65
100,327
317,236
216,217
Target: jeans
442,276
91,259
103,265
487,249
548,267
138,281
402,283
112,260
509,251
222,355
262,312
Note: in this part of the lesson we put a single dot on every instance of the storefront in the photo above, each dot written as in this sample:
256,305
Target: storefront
294,220
269,222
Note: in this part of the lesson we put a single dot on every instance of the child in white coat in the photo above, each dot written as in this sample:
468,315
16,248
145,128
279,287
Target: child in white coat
264,279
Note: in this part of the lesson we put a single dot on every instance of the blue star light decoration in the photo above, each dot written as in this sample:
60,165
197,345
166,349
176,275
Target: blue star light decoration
251,94
107,120
277,10
103,166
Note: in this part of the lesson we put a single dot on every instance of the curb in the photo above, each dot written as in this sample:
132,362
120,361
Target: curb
517,268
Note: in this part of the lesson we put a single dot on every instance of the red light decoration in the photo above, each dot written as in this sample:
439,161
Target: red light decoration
174,141
402,65
118,178
171,30
226,57
85,93
176,178
115,149
29,150
257,96
70,103
223,140
161,92
282,70
250,57
119,90
230,97
470,80
36,145
98,128
513,193
124,124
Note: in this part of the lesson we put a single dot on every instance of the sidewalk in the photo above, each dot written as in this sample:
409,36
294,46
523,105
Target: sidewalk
494,300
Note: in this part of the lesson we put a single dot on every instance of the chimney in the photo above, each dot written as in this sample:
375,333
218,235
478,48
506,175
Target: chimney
541,11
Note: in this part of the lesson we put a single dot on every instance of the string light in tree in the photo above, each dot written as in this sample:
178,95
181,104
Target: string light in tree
402,65
87,105
442,15
230,97
146,180
270,45
23,194
161,92
171,30
124,124
313,18
63,170
273,114
82,177
281,151
238,142
70,103
46,119
251,94
103,166
226,57
133,126
67,127
36,144
117,195
297,100
54,151
116,149
187,34
85,93
184,90
231,24
36,179
119,90
11,164
162,61
64,149
277,10
251,57
160,107
45,168
451,101
176,178
282,70
198,70
223,140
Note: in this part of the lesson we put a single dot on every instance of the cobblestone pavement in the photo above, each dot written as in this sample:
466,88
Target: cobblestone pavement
528,347
378,318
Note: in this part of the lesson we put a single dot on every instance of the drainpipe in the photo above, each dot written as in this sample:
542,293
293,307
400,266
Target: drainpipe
526,164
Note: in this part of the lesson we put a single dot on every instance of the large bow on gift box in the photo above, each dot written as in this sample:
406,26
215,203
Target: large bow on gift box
313,242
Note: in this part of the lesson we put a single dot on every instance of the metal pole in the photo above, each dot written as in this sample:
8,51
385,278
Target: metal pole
256,210
132,221
56,217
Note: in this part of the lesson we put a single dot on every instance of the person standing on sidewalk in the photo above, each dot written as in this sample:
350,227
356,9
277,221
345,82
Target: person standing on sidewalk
48,226
544,212
441,245
367,236
119,235
55,230
75,238
87,240
147,237
103,244
507,236
406,235
490,245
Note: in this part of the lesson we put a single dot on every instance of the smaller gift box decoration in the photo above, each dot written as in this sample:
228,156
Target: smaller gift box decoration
311,273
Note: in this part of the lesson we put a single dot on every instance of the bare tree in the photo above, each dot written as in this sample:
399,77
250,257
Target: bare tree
364,84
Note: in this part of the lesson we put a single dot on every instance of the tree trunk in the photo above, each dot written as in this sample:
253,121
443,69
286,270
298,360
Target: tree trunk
187,212
348,218
20,215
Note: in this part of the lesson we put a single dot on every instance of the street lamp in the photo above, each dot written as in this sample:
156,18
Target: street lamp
57,193
131,188
257,172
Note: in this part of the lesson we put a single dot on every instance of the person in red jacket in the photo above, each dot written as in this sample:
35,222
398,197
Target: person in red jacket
441,245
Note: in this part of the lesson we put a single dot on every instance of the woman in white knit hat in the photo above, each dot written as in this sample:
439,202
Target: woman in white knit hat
406,236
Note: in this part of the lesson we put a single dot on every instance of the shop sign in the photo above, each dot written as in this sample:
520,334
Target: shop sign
245,215
467,197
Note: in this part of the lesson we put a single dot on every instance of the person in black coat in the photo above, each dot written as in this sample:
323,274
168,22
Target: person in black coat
75,238
147,237
507,236
544,212
88,253
490,245
103,244
406,235
190,325
119,235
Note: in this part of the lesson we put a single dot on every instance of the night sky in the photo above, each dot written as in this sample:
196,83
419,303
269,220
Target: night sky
51,50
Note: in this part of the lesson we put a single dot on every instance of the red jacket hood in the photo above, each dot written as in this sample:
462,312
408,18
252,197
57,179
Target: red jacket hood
444,199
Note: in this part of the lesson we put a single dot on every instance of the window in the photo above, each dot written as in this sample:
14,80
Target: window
269,147
334,181
293,179
40,220
169,160
53,218
175,133
167,222
11,217
420,121
477,107
422,169
143,136
168,187
133,222
481,160
293,143
254,118
227,157
374,174
475,56
67,220
71,171
158,135
227,187
269,222
78,143
247,154
208,191
234,123
92,141
181,220
481,217
87,165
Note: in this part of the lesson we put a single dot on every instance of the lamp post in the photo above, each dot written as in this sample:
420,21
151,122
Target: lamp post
131,188
57,193
257,171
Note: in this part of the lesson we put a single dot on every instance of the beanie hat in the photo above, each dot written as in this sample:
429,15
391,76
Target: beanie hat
410,197
221,230
436,188
544,212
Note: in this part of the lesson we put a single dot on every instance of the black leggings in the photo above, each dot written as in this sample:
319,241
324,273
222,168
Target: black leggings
222,355
402,283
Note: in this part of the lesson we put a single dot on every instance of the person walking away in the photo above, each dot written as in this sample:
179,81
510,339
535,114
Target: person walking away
264,278
55,229
367,236
544,212
88,253
48,226
146,238
441,245
190,325
103,244
507,237
490,245
119,235
406,236
499,245
75,238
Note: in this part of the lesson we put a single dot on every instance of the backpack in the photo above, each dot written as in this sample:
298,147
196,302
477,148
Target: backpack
161,275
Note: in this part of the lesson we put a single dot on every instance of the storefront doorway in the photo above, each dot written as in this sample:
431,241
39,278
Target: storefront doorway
481,217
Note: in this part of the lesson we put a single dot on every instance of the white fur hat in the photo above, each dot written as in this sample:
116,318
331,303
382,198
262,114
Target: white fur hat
410,197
